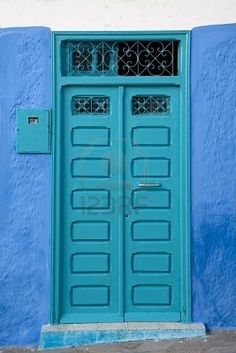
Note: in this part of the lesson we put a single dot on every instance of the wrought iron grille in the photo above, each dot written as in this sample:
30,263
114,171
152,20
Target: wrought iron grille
90,105
130,58
150,104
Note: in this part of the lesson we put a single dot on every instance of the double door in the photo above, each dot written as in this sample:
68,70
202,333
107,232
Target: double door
121,204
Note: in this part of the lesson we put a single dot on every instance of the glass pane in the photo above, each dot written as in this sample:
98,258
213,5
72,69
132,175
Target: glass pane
150,105
90,105
123,58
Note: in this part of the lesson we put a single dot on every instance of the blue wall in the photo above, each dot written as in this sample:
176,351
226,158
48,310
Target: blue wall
25,81
213,134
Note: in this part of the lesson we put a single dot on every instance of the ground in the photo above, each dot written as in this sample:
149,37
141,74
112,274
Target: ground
218,341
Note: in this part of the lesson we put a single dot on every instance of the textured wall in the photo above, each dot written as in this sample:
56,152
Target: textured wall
116,14
213,98
25,81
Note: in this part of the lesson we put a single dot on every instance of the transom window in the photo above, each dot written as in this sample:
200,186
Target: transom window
123,58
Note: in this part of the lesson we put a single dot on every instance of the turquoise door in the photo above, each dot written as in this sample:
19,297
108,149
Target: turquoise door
92,260
120,199
120,249
152,223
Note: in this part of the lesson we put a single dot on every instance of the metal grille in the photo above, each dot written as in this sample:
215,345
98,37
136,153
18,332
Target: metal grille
150,104
130,58
90,105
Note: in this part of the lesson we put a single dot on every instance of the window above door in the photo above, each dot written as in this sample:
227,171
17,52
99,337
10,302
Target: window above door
120,58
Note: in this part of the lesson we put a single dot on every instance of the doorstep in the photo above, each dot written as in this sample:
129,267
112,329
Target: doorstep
75,335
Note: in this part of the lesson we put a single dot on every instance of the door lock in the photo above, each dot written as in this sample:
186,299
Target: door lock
128,186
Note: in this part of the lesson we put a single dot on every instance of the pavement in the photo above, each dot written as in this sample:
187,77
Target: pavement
218,341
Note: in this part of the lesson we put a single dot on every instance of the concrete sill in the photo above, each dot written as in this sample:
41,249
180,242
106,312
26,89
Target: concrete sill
76,335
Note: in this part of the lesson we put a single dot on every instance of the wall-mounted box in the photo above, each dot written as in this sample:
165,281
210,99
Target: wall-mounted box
33,131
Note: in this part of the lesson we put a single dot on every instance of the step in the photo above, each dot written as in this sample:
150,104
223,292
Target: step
76,335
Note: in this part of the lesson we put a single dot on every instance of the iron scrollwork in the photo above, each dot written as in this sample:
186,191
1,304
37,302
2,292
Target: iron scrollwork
150,104
130,58
90,105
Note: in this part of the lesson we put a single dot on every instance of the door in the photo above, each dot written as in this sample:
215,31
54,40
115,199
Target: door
92,263
152,217
120,222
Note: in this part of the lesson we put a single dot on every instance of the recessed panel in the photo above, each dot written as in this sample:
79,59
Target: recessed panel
151,230
151,167
90,263
150,136
91,136
151,262
151,199
151,295
90,295
91,167
90,231
90,199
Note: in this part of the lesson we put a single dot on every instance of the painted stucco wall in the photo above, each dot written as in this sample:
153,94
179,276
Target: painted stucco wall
213,134
25,81
116,14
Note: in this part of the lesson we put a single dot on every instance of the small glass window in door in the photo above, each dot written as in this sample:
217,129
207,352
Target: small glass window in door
90,105
150,105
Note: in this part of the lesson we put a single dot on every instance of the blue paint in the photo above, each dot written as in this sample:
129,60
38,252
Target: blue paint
213,99
67,338
25,81
25,76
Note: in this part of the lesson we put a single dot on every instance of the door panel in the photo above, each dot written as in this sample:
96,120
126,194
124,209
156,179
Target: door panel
120,204
152,223
91,269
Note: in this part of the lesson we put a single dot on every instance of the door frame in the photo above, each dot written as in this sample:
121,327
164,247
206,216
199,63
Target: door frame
182,80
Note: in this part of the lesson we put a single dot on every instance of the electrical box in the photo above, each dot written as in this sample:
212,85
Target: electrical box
33,131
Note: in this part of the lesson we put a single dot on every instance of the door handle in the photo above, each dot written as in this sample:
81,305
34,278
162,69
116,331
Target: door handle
149,185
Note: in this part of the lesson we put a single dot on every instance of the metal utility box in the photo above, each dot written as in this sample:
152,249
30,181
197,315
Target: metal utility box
33,131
